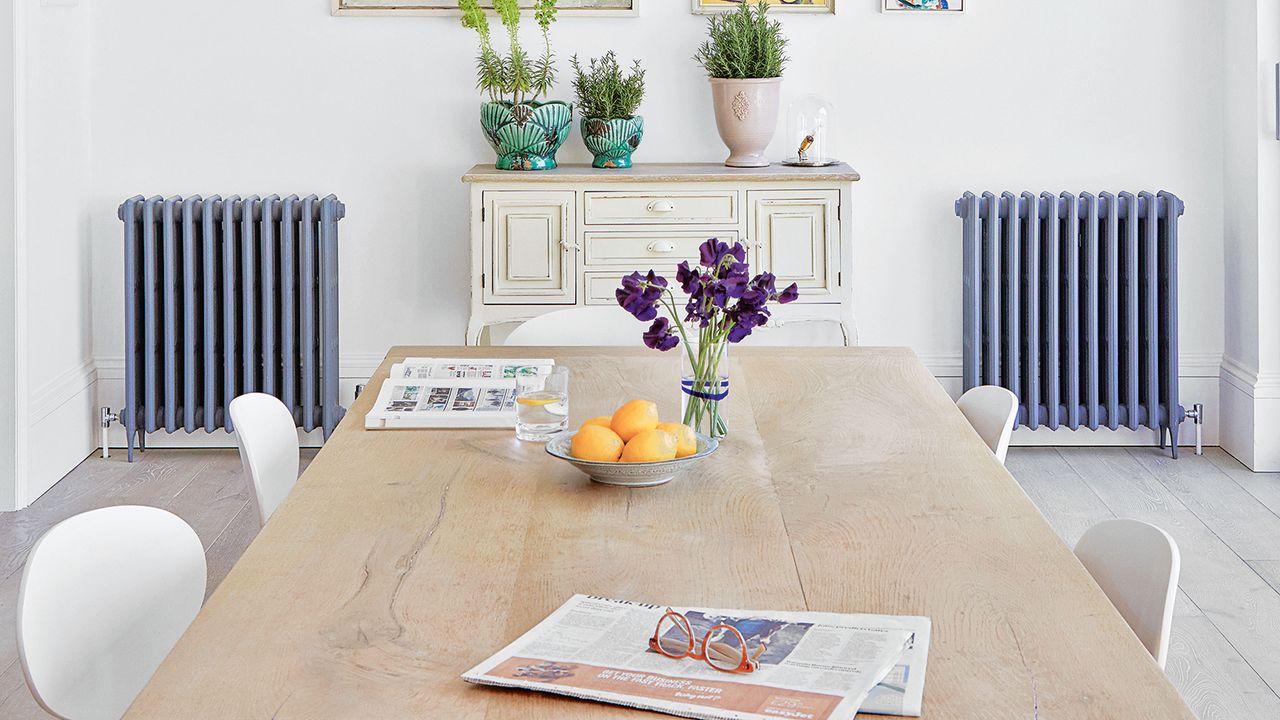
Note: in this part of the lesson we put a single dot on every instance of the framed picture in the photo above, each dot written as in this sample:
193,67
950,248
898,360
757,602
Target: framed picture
924,6
611,8
706,7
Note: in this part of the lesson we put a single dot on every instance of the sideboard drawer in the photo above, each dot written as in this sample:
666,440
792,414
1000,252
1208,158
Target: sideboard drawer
644,249
670,208
598,287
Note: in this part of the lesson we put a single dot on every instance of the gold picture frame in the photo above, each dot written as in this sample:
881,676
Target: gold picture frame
708,7
575,8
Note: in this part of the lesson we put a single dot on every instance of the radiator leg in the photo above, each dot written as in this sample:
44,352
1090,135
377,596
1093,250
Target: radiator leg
1164,430
1173,435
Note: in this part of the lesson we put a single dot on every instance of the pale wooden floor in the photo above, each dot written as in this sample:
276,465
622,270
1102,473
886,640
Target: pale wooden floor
1225,656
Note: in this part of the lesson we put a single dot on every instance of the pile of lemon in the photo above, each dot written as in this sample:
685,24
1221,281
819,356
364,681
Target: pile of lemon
634,433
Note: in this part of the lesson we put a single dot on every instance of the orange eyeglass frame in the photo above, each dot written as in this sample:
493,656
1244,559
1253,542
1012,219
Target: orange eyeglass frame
749,661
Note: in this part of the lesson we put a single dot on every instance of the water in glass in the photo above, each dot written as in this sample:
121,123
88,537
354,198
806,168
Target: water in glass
542,405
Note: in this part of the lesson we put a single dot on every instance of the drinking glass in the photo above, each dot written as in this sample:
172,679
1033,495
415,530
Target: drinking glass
542,405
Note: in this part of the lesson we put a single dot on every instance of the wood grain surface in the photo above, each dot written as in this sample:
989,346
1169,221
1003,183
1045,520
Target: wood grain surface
849,483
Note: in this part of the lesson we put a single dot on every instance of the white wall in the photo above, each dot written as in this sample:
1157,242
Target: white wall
1251,177
53,350
8,276
253,97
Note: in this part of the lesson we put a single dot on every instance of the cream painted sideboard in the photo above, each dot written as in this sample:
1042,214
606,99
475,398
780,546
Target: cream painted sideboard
544,241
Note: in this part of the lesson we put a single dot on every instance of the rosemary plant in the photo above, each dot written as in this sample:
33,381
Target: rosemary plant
603,91
744,44
515,77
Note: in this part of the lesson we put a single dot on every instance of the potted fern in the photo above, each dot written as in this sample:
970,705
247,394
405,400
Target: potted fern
608,101
744,56
523,129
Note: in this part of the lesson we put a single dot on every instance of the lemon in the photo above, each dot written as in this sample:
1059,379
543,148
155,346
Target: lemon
686,441
650,446
602,421
596,443
634,418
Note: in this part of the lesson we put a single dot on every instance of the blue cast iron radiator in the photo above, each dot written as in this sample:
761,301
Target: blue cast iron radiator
225,297
1071,302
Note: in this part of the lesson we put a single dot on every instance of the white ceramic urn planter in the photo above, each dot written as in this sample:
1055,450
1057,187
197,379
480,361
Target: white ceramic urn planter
746,116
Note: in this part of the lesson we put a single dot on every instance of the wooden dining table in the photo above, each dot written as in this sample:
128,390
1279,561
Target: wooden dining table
849,482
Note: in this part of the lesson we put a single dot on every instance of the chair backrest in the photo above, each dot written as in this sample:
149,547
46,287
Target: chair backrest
1136,564
105,595
605,325
268,440
991,411
800,332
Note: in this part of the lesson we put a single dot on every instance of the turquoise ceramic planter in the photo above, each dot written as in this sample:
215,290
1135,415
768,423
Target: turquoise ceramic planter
526,136
612,141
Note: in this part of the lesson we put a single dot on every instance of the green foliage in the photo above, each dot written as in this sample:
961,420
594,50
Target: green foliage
603,91
744,44
514,77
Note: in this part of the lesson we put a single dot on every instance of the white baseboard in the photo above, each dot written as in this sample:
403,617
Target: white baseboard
1251,415
61,430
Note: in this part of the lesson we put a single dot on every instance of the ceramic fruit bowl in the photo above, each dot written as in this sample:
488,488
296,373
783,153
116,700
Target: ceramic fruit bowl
645,474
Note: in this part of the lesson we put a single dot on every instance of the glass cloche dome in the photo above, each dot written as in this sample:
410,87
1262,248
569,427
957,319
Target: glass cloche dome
808,132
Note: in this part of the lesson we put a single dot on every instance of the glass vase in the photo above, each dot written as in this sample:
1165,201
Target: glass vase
704,386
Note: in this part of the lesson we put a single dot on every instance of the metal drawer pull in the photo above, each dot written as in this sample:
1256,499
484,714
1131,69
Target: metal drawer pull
662,246
662,206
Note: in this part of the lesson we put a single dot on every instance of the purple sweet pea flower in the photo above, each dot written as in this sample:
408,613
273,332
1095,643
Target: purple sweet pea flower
639,294
660,335
791,294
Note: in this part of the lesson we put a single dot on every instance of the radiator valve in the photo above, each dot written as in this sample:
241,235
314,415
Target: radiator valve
1196,414
105,418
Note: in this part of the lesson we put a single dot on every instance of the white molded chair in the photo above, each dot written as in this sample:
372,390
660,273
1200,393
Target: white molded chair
991,411
268,440
105,595
800,332
605,325
1136,564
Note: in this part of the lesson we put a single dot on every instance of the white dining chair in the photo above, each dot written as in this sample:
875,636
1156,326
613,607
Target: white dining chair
104,597
991,411
1136,564
800,332
604,325
268,440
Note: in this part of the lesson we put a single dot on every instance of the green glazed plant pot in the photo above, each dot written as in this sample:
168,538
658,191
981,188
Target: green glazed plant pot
612,141
526,136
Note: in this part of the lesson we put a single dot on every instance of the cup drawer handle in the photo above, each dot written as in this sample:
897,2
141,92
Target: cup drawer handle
662,246
662,206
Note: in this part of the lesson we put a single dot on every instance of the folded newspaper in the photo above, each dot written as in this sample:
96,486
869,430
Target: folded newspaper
451,393
814,666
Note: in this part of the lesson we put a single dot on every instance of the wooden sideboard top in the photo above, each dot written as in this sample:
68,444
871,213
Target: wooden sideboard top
664,172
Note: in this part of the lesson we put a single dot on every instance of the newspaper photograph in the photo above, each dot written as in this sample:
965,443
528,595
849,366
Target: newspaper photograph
807,666
451,393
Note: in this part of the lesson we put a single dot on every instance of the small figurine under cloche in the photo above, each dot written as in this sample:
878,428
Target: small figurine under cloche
808,130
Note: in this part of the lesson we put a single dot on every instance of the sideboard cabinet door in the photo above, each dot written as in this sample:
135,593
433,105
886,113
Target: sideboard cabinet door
797,238
530,253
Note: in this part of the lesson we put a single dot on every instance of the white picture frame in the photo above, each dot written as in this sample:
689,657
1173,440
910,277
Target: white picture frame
900,6
817,7
367,8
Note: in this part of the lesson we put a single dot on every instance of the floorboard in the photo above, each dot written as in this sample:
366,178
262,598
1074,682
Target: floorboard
1225,652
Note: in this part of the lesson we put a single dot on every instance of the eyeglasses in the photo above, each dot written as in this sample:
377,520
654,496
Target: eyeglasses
723,647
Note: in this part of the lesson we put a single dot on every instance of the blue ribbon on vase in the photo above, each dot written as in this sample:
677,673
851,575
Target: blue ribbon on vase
687,386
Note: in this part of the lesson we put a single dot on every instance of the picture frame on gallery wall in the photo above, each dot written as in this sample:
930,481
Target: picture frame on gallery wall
570,8
922,6
708,7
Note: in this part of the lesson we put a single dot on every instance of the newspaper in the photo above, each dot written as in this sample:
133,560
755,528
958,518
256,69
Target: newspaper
901,692
814,666
451,393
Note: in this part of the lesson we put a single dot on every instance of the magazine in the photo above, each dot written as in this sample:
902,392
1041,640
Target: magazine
451,393
812,666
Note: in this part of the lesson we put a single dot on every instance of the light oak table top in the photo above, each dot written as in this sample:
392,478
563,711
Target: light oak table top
849,483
